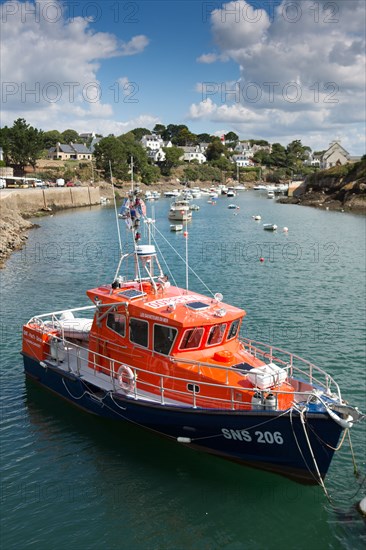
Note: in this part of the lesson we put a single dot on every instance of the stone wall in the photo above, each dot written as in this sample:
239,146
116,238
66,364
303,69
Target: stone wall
17,204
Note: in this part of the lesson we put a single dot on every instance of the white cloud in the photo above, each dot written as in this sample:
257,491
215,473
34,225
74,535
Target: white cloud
301,69
50,66
136,45
211,58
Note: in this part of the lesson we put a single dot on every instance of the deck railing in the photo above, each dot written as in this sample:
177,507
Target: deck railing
297,369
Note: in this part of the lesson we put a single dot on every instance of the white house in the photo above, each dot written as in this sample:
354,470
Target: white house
313,159
193,153
156,155
334,156
242,160
153,142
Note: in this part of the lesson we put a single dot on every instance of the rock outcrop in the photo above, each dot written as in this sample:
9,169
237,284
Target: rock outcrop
339,188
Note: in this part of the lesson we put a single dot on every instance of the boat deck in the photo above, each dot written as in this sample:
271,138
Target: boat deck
76,362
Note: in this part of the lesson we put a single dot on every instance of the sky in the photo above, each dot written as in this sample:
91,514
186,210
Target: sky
277,70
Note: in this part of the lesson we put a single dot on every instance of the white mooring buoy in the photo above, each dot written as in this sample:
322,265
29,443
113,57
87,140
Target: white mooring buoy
362,506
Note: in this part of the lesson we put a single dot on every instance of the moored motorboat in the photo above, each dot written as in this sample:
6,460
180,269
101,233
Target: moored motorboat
173,193
173,361
270,226
231,192
180,210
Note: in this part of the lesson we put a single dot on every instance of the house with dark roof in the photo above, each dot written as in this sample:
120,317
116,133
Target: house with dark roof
72,151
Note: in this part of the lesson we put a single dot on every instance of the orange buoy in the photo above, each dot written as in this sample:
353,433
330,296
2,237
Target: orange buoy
185,234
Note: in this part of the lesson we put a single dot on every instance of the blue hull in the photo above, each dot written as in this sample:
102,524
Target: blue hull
263,440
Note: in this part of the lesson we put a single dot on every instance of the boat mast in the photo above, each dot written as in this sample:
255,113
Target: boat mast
131,174
118,230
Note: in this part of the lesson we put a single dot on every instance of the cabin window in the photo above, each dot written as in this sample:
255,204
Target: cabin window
191,338
164,338
216,334
194,388
117,323
233,330
139,332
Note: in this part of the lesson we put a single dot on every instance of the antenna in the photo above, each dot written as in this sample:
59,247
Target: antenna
116,213
186,237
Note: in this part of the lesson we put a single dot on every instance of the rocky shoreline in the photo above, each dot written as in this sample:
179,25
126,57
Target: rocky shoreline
17,206
341,188
13,233
355,204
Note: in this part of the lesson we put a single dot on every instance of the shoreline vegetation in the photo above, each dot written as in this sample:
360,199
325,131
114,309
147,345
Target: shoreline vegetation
327,190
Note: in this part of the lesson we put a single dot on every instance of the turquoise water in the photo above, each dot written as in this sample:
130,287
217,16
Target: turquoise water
70,480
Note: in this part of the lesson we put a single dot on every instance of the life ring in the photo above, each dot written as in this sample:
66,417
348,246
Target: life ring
126,378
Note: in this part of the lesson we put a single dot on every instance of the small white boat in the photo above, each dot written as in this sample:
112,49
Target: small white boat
270,226
270,195
194,207
174,193
233,207
176,227
257,218
196,192
230,192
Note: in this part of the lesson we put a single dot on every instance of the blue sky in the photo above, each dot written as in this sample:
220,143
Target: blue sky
277,70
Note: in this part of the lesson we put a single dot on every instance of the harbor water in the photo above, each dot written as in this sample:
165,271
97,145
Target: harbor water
74,481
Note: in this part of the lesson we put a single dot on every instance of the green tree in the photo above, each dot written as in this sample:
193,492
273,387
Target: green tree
215,150
172,159
110,152
150,174
118,152
172,131
231,137
51,138
204,138
223,164
296,154
159,129
278,155
262,157
184,138
140,132
261,142
70,136
22,144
